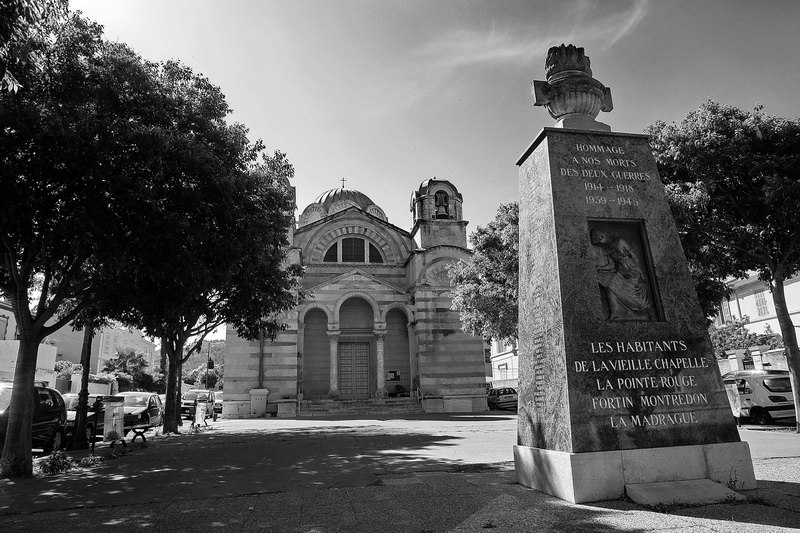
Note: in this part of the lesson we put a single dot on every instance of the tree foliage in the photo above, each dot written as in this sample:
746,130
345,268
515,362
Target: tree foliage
486,287
120,181
219,235
65,369
72,179
733,180
734,335
22,24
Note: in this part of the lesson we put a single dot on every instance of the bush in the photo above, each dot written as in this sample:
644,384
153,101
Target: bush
56,463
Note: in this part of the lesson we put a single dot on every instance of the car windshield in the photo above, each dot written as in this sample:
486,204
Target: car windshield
778,384
195,395
137,401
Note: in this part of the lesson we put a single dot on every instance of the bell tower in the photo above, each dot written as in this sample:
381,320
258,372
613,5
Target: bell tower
437,215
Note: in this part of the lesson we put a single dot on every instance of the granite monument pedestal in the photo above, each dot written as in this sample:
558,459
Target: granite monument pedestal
618,382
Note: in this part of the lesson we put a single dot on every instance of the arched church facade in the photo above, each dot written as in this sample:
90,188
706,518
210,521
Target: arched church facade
376,333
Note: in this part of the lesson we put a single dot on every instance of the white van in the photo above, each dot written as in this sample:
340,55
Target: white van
764,394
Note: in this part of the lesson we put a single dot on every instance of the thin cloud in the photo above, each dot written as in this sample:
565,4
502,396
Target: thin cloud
432,65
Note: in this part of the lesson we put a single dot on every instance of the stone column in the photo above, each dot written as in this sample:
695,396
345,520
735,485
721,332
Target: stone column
333,338
412,352
380,391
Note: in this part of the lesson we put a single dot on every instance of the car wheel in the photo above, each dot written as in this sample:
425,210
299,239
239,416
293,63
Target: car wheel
215,416
760,417
145,419
55,443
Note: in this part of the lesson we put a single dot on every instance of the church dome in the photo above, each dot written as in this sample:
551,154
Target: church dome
336,200
357,198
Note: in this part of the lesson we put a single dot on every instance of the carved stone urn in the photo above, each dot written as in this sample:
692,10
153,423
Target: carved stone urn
571,95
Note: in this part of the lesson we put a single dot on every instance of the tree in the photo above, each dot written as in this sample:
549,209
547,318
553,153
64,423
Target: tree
21,24
732,335
130,367
65,369
219,245
198,376
733,181
486,287
74,173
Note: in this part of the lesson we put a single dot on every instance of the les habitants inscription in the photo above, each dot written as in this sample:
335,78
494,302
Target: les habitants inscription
610,174
645,382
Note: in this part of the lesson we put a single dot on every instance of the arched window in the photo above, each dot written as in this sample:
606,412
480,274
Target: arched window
374,254
353,250
332,255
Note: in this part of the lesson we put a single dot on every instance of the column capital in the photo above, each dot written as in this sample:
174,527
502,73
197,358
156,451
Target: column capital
333,335
380,334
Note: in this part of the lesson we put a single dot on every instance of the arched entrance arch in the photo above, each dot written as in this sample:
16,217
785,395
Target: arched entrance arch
357,348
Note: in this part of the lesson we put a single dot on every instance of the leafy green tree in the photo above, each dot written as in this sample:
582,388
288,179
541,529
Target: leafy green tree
732,335
219,246
22,25
486,287
74,175
130,367
733,180
65,369
198,375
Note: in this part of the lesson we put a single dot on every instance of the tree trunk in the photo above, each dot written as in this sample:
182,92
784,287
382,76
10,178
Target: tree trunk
79,440
174,350
172,407
789,341
179,380
17,459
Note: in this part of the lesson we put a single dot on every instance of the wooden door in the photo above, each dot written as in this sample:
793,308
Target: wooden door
353,370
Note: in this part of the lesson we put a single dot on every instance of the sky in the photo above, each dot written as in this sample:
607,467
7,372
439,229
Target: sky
387,94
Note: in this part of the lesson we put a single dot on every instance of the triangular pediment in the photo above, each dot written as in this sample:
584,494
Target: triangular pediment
355,280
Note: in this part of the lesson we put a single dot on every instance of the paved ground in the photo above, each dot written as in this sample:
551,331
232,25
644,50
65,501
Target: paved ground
418,474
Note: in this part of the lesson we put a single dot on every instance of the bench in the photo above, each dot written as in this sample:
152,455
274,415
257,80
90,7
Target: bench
138,431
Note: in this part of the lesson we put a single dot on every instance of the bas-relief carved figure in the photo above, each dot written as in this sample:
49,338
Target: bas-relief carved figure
620,276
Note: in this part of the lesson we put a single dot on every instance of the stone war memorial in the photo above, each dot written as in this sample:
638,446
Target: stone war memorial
619,389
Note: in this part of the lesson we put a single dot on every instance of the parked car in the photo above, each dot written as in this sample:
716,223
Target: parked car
198,396
71,401
504,398
218,403
764,394
142,409
49,417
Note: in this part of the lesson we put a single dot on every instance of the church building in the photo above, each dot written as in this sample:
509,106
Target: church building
376,333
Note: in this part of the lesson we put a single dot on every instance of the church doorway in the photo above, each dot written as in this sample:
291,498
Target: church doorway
354,376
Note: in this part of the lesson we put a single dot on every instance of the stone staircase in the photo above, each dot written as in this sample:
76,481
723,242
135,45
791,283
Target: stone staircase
376,406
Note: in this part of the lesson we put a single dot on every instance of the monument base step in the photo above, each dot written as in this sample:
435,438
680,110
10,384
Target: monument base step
689,492
595,476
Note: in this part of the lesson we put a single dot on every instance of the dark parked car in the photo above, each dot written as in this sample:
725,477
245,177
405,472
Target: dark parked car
71,400
198,396
49,417
142,409
505,398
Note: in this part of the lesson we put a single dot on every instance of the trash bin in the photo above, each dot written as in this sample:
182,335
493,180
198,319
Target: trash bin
199,412
114,419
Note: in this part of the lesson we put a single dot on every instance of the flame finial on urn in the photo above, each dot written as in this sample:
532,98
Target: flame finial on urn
570,94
